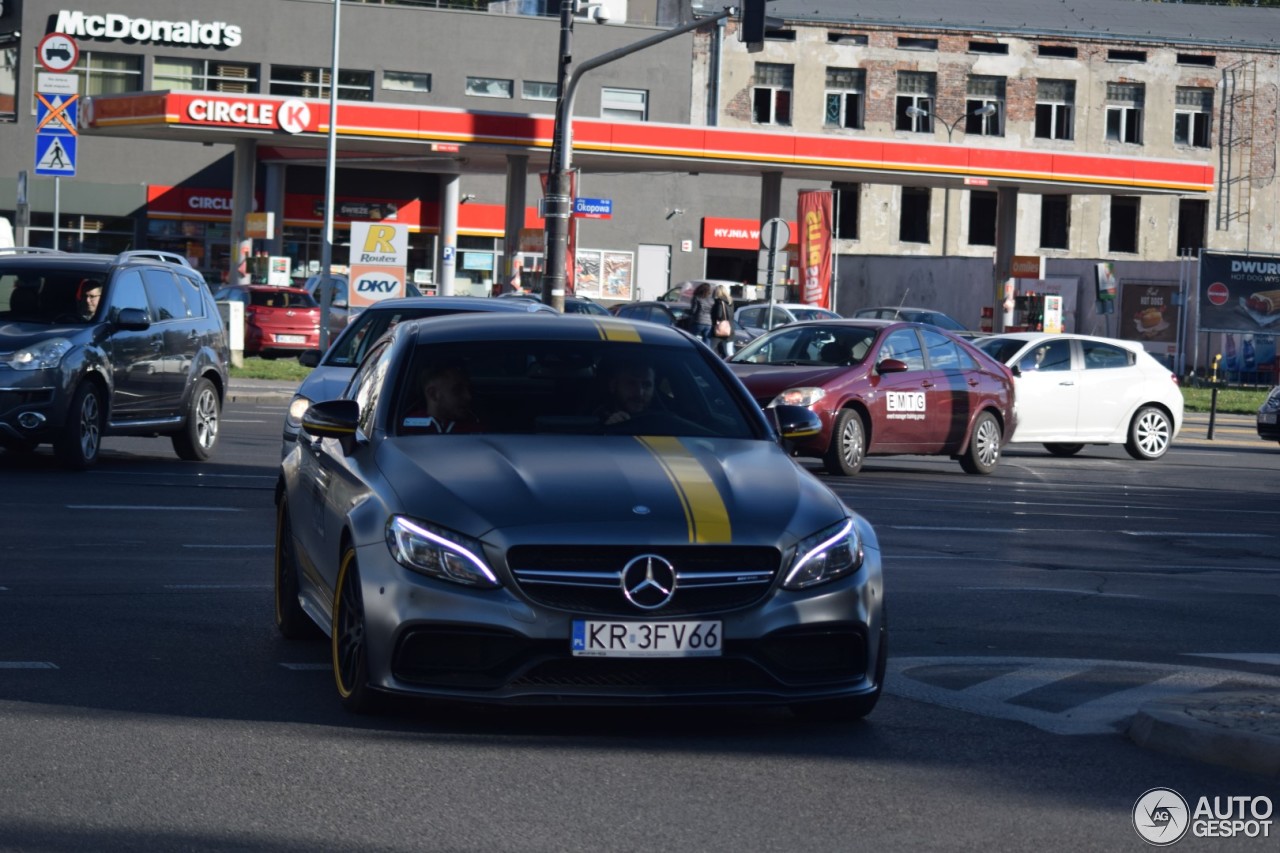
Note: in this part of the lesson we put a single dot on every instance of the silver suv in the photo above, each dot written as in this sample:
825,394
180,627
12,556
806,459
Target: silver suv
98,345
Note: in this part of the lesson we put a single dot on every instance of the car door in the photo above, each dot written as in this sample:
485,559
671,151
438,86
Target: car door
957,388
136,356
179,339
1048,388
1109,388
902,420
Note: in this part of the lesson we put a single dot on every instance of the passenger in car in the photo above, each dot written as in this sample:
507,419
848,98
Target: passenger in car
630,389
445,407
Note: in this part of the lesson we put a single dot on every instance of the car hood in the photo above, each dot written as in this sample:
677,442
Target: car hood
769,380
325,383
15,336
607,489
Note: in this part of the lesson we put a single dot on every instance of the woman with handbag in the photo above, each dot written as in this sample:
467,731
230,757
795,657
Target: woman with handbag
721,328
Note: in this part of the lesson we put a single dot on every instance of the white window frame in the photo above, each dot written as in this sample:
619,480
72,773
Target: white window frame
206,75
985,90
319,86
537,90
407,81
1061,110
1124,113
490,87
624,104
915,89
1193,117
9,60
849,97
772,88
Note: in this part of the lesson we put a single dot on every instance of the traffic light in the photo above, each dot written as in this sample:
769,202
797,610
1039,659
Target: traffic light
751,27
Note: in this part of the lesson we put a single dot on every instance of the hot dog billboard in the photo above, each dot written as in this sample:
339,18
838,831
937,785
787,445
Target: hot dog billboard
1239,293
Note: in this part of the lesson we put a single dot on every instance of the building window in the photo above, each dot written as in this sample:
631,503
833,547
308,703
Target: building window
1055,109
985,94
913,216
534,90
624,104
490,87
846,92
108,73
915,89
406,81
1055,221
1126,55
988,47
8,81
200,75
1193,220
1125,210
295,81
846,210
908,43
847,38
982,218
771,93
1124,112
1207,60
1193,117
1056,51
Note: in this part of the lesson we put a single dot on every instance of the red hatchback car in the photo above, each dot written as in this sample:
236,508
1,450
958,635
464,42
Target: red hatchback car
884,388
277,320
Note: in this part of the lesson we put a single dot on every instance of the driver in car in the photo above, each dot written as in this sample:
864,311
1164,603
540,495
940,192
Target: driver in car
630,388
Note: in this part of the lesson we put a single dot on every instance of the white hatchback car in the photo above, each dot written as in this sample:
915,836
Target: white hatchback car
1073,390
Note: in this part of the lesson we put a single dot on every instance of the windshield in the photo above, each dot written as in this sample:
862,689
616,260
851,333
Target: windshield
50,296
569,388
933,318
1001,349
813,344
803,314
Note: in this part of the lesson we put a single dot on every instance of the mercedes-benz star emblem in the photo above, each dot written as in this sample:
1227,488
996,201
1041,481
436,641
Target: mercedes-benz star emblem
649,581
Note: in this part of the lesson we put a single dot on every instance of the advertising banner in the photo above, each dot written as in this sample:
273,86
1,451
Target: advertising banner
814,214
1239,293
1148,312
379,257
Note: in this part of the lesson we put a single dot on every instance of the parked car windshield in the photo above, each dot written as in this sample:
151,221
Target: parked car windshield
1001,349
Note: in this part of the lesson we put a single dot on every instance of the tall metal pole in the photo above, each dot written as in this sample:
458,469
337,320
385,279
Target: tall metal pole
326,240
558,205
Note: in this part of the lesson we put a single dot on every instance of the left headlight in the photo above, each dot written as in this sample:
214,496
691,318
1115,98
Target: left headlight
1272,403
297,408
41,356
438,553
798,397
826,555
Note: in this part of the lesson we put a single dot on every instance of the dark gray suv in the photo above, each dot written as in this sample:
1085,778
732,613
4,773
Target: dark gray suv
97,345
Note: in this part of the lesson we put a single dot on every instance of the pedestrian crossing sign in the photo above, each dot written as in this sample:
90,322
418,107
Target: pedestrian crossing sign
56,155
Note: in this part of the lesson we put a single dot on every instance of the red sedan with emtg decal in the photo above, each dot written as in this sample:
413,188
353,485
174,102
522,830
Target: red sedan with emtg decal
884,388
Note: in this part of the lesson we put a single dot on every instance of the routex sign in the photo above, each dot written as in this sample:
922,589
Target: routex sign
112,26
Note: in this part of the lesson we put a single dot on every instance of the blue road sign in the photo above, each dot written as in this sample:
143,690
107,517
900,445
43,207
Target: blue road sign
56,154
593,208
57,114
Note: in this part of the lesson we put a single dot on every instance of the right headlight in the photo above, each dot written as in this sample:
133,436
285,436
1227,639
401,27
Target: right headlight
1272,403
438,553
798,397
42,356
297,408
826,555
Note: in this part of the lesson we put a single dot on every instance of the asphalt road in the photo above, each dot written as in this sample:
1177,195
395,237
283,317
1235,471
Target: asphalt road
147,703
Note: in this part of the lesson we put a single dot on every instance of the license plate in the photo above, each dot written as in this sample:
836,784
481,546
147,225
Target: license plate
646,639
1267,418
291,339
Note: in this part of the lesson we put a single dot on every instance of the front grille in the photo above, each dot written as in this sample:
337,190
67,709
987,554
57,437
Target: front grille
587,579
671,675
12,398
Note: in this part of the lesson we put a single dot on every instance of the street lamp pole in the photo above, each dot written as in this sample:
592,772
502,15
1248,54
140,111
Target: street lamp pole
558,202
917,112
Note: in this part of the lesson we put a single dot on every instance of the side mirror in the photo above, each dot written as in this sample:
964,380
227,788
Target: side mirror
1015,370
132,320
309,357
333,419
891,365
795,422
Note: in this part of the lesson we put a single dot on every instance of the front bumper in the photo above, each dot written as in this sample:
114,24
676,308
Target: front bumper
30,411
434,639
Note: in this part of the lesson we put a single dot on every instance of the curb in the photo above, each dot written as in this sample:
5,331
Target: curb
1240,730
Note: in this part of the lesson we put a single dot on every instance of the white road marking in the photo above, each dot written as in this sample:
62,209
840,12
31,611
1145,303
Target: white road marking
27,664
230,547
1247,657
306,667
258,421
1052,589
217,586
1183,534
146,508
1103,715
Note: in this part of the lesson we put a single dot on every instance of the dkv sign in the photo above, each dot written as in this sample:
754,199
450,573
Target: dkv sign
379,255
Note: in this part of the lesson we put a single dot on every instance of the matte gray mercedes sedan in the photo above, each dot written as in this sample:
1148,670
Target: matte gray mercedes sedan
571,510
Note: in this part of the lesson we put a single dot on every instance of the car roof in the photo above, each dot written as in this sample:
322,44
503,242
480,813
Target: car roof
585,327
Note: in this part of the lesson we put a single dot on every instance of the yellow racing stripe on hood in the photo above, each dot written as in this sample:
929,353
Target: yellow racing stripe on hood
617,330
703,506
